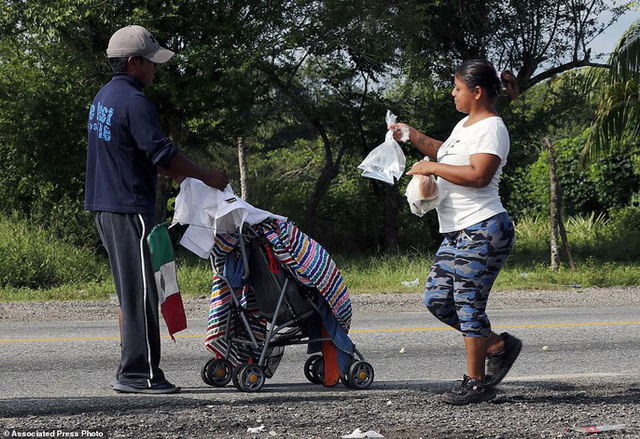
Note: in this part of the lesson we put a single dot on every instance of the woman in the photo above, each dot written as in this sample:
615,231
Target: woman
478,233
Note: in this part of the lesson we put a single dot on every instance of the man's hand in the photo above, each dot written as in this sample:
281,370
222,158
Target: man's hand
216,179
182,166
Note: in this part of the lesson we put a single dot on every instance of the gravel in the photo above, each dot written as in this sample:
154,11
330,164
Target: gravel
409,302
531,410
523,409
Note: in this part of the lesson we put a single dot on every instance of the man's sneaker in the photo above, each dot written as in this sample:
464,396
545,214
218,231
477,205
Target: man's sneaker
469,391
156,389
498,364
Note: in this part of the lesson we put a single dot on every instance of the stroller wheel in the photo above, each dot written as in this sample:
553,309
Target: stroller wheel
344,377
309,369
234,377
217,372
318,370
250,377
360,375
203,372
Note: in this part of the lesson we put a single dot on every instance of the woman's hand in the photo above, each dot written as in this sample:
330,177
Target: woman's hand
401,131
423,167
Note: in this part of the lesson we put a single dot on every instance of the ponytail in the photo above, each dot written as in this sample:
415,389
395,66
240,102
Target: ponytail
481,73
510,84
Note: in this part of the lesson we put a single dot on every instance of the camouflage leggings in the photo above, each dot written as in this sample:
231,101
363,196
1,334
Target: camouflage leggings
463,271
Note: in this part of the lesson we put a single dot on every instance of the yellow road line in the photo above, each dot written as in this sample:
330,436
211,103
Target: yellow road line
536,325
355,331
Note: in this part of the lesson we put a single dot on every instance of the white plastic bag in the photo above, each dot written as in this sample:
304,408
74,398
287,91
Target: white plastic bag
423,194
387,161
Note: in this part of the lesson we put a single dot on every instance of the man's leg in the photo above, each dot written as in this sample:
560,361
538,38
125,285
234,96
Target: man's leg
124,237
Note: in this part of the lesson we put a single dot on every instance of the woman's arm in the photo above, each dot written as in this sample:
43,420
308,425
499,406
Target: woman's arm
425,144
478,173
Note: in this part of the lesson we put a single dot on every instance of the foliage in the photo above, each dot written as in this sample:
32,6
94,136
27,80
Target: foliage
306,84
47,72
34,258
617,121
535,38
604,185
606,248
596,237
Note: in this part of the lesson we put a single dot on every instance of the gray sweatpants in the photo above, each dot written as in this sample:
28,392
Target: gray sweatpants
124,237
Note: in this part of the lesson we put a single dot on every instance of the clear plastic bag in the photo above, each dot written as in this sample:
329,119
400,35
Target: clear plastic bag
423,194
387,161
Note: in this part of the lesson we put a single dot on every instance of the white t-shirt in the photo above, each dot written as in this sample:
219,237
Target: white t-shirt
463,206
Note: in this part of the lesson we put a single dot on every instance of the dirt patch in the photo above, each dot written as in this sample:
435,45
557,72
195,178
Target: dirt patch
410,302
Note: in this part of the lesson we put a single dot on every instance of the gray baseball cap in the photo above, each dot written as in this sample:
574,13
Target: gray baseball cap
137,41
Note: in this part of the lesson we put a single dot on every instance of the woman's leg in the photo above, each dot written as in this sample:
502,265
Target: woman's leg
476,356
439,300
438,294
481,251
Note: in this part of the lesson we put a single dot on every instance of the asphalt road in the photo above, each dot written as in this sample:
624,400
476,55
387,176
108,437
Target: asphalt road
64,370
41,359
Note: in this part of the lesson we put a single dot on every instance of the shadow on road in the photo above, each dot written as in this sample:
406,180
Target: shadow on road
532,392
19,407
566,393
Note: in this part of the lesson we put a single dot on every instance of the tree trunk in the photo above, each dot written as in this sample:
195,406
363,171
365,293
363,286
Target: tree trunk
553,209
563,234
390,215
329,172
556,206
162,196
242,163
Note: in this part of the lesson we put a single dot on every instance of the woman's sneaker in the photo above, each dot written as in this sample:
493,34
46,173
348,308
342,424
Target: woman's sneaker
498,364
469,391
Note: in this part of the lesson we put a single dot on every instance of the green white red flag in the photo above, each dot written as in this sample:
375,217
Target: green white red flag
164,267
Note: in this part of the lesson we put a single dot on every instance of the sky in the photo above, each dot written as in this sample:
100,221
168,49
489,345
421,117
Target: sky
607,41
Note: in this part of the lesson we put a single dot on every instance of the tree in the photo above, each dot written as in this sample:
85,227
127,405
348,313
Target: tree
618,115
537,39
52,62
48,68
329,66
555,210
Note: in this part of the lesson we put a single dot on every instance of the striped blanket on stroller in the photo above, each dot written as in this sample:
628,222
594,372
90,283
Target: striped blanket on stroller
303,257
309,262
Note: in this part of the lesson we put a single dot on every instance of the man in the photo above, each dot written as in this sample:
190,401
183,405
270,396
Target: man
126,150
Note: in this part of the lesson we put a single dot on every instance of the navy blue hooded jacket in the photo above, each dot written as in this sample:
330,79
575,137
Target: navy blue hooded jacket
125,144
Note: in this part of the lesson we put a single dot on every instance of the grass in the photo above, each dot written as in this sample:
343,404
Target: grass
378,275
32,257
386,276
101,290
37,266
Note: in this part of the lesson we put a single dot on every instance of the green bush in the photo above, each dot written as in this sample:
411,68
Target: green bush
599,237
609,183
624,234
33,257
532,239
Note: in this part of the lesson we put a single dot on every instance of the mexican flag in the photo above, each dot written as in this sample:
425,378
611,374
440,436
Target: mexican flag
164,268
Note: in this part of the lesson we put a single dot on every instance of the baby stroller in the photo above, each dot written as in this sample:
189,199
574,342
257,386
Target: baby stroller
266,296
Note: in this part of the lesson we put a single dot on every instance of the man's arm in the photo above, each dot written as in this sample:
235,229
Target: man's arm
181,166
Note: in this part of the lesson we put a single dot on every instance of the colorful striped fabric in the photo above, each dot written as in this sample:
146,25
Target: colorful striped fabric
303,257
220,307
309,262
